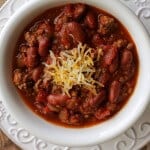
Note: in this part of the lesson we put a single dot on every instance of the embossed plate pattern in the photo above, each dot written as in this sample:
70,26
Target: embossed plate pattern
133,139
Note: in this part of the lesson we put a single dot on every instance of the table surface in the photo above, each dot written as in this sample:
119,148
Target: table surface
6,143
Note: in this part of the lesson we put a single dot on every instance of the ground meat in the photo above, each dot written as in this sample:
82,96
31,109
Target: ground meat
107,25
30,38
17,77
64,115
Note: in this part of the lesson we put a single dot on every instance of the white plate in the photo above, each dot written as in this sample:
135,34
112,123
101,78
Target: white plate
134,138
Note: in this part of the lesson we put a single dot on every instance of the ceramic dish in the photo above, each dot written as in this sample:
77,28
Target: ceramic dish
61,135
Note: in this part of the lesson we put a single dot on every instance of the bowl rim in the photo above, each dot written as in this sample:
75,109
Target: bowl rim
76,142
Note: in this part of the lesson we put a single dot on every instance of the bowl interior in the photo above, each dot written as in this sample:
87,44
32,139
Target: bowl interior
70,136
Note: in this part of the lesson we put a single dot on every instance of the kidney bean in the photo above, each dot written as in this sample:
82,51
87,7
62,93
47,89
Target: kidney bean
37,73
90,20
113,67
32,51
76,31
58,99
32,57
43,46
109,55
70,33
98,98
72,12
60,20
64,17
126,58
66,40
104,78
114,91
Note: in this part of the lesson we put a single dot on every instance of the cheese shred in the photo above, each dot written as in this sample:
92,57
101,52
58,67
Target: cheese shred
73,67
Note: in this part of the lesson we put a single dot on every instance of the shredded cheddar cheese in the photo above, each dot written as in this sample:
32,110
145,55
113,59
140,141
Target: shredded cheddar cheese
73,67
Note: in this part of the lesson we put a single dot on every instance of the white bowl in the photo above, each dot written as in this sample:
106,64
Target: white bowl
71,136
